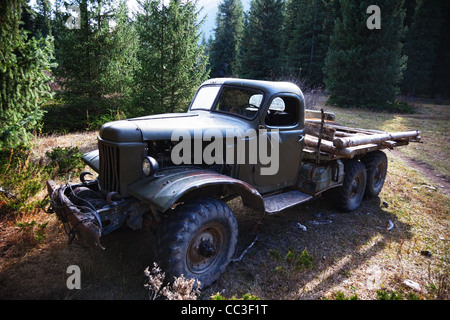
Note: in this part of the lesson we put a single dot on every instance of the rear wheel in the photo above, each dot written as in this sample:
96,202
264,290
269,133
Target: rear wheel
376,164
349,196
197,240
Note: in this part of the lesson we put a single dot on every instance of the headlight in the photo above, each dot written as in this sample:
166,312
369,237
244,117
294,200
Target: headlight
149,166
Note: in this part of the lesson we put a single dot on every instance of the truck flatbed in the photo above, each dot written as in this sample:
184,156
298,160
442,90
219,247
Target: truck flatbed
326,140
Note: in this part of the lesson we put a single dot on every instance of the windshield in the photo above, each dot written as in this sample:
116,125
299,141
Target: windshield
205,98
244,102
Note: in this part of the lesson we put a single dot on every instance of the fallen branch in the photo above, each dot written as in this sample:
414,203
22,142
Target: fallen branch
245,251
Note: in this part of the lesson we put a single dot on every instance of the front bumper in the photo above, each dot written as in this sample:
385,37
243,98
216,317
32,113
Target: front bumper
83,226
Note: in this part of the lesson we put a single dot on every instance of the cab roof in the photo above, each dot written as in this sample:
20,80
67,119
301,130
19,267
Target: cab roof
270,87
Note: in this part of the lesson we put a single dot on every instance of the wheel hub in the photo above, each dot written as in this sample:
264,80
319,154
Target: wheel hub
355,188
207,249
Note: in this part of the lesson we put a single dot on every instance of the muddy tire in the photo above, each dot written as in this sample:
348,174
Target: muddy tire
197,240
376,164
349,196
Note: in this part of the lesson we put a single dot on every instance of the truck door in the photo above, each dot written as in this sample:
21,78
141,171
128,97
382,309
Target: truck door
284,123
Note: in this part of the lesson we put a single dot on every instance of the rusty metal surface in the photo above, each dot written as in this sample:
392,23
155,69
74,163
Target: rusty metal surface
83,227
87,214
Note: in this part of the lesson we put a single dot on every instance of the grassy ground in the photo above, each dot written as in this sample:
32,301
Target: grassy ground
338,256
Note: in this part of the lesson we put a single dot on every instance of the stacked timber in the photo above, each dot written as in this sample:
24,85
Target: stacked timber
324,136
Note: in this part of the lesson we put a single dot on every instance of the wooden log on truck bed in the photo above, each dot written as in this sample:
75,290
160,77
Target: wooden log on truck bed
345,142
329,151
325,145
316,114
314,129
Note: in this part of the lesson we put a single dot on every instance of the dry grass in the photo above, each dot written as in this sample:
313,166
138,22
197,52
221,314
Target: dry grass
85,141
350,254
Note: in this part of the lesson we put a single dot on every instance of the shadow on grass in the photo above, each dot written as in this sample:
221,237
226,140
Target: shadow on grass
339,244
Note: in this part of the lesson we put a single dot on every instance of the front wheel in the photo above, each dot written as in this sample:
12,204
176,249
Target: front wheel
197,240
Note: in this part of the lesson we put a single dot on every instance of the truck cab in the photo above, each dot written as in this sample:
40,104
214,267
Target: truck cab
277,109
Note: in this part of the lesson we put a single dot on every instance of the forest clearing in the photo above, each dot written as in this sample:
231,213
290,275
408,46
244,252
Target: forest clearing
309,252
67,67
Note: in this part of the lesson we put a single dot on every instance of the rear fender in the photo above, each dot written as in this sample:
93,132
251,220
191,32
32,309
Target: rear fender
170,186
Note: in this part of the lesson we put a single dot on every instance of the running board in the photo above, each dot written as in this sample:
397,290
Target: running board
279,202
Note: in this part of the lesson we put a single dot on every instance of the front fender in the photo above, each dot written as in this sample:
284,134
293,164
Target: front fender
173,185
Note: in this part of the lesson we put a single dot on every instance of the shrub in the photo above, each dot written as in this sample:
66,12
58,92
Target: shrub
294,259
20,179
180,289
386,295
247,296
65,160
34,228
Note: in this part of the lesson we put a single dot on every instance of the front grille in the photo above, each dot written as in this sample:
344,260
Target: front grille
109,175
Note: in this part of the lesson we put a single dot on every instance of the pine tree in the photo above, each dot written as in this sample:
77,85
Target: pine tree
171,61
228,33
43,18
120,69
290,41
306,38
83,56
364,66
423,43
260,54
28,19
442,80
37,20
23,78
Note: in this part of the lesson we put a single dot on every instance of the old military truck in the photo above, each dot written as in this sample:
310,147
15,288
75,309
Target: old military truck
239,138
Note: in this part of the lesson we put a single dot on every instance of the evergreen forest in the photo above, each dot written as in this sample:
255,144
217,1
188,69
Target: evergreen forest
71,65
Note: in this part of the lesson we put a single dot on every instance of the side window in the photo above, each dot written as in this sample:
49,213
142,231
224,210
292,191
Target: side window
283,111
